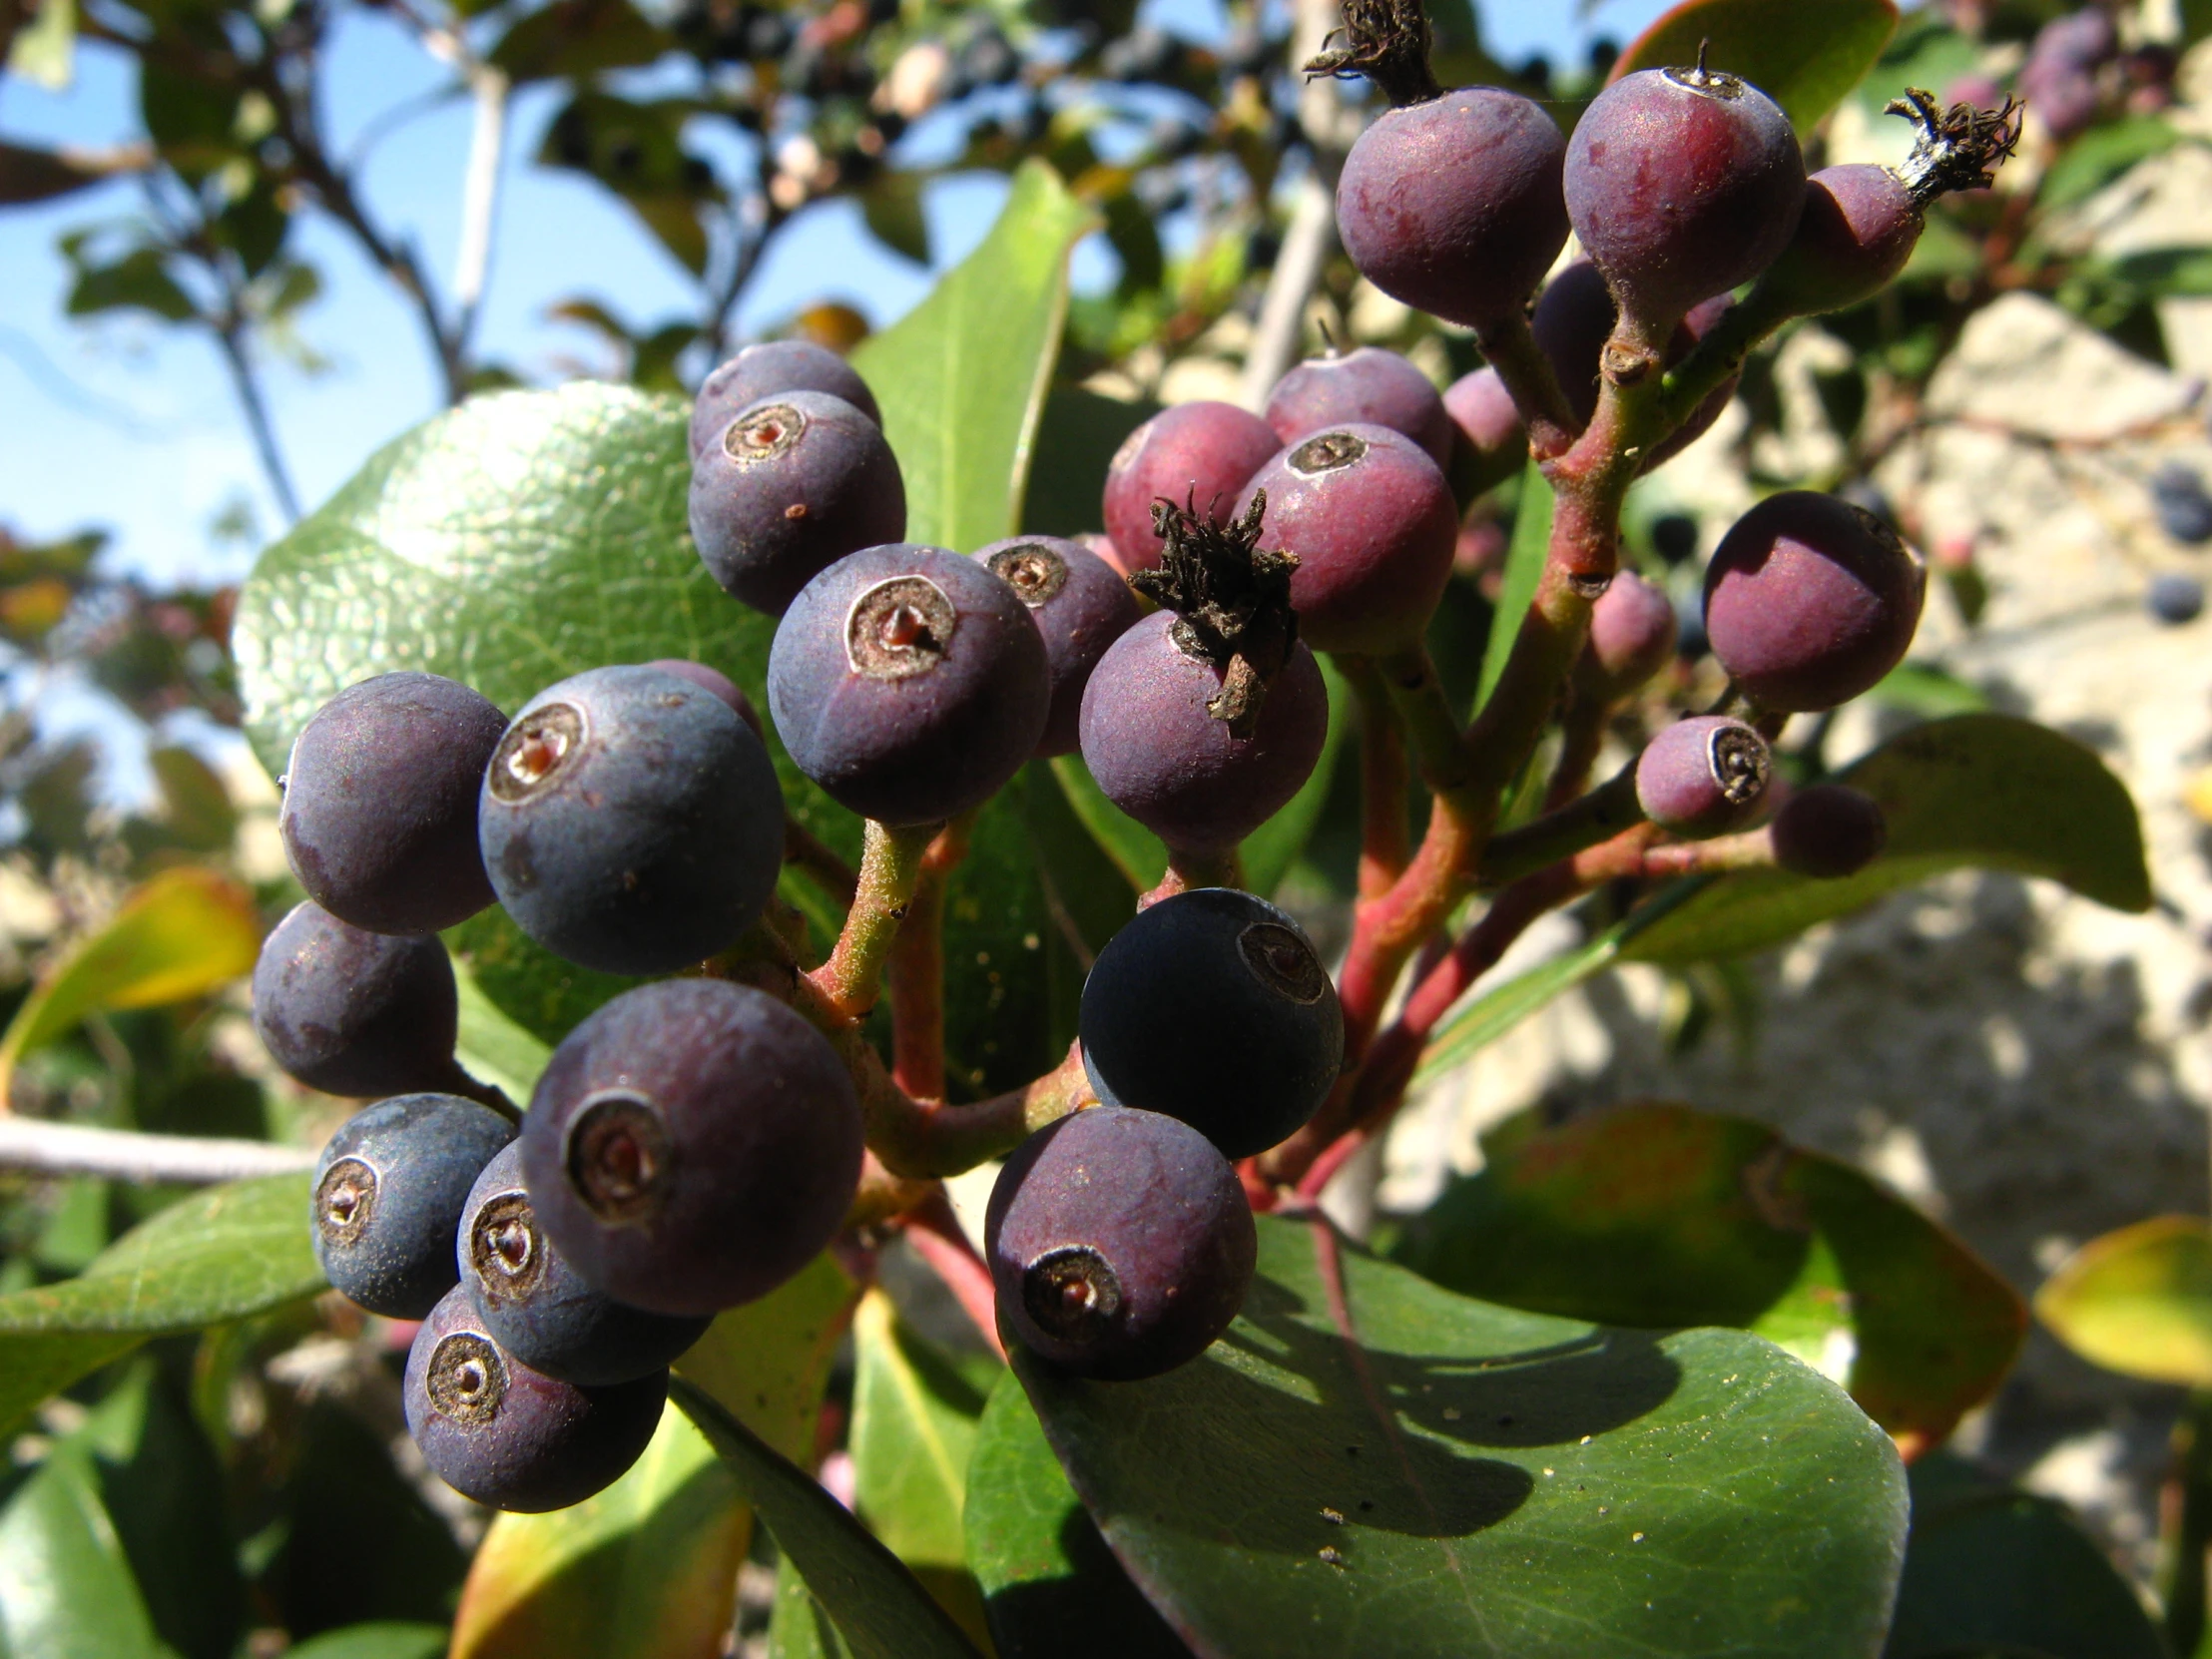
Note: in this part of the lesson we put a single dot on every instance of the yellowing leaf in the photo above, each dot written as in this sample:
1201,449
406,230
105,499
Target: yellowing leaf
2139,1301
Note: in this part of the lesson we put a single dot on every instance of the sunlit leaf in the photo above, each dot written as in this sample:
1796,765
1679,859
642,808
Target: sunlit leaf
1804,54
2139,1301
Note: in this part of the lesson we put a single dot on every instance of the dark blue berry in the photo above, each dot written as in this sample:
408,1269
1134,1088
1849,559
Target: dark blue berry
2175,598
1080,604
1674,537
2184,509
770,369
356,1013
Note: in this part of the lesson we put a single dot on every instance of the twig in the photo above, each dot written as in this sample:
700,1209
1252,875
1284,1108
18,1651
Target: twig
479,198
1279,331
125,1155
891,865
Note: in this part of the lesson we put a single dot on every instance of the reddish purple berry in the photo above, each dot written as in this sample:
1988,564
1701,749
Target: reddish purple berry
770,368
1372,524
1080,604
1369,388
1202,453
910,683
1454,205
716,683
356,1013
1808,600
1574,318
1681,184
1828,832
1161,757
1858,227
1703,776
1632,637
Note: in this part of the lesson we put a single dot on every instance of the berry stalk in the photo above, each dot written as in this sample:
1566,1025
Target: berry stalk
1385,834
891,869
916,968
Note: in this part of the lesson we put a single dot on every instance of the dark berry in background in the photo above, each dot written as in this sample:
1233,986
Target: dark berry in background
1681,184
1574,318
1809,600
2174,598
353,1013
1201,453
690,1145
1674,537
1214,1007
1368,386
1372,524
715,680
1454,205
1080,604
790,486
1704,775
1152,747
2184,509
1632,634
380,805
910,683
1120,1244
632,822
514,1438
1858,227
770,369
1828,832
537,1307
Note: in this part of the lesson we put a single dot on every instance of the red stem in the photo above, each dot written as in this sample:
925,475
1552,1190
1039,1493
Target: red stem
937,1236
1385,837
916,971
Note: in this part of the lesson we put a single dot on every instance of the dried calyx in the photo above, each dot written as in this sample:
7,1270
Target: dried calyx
1231,599
1955,148
1388,42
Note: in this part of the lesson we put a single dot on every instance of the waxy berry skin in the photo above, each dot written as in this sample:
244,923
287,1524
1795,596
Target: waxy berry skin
1159,756
1372,524
1368,386
1120,1244
1681,185
1081,604
770,369
1454,205
1704,775
1828,832
1858,227
1633,629
1202,453
910,683
353,1013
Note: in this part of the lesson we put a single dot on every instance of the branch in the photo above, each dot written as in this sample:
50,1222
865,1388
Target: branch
229,341
479,198
45,1148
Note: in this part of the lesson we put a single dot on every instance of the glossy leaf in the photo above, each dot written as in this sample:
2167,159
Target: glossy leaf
1051,1588
1503,1482
879,1607
1140,856
2139,1301
798,1628
66,1590
492,1047
1525,563
915,1410
2101,154
1077,435
1985,790
1804,54
767,1361
1658,1215
383,1639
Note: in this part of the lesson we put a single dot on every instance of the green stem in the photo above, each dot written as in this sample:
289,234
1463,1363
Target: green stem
2186,1529
891,867
1597,816
1511,348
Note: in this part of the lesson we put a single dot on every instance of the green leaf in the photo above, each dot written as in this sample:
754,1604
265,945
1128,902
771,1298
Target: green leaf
1137,852
767,1361
877,1605
1525,563
2139,1301
2101,154
384,1639
1077,435
577,38
1804,54
1503,1484
491,1047
1659,1214
1051,1588
66,1590
797,1627
645,1568
915,1410
1989,1569
892,208
1929,693
1985,790
1270,850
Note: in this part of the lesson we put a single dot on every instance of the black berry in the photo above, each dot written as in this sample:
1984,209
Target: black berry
2174,598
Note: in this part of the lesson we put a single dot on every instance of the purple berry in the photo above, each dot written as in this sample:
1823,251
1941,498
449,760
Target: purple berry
910,683
1080,604
2175,598
770,368
1120,1244
1201,453
792,485
1372,524
1160,757
1366,387
1454,205
1574,318
1632,637
351,1012
719,684
497,1432
1493,443
1681,184
1703,776
1828,832
690,1145
1809,600
380,805
1858,227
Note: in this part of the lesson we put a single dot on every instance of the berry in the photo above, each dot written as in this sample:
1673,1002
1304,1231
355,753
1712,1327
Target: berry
792,485
1080,604
1120,1244
1367,388
1674,537
1632,634
2175,598
631,821
770,368
1858,227
1373,525
379,803
1492,442
1809,600
353,1013
910,683
1703,776
1159,756
1453,205
1202,453
690,1145
1213,1006
497,1432
720,684
1574,318
537,1307
1828,832
1681,184
389,1190
2184,509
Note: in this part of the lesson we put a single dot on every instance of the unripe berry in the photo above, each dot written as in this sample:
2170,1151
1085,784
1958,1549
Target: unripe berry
1632,634
1372,524
1202,453
1703,776
1858,227
1370,387
1809,600
1828,832
1080,604
1453,205
770,369
1681,184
